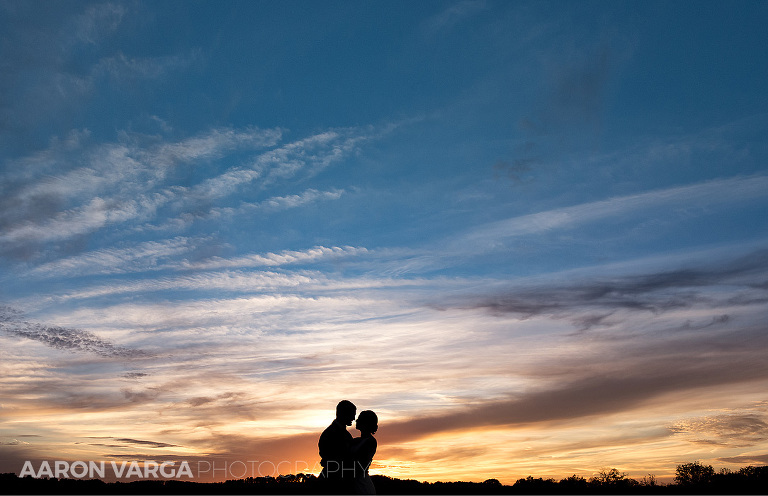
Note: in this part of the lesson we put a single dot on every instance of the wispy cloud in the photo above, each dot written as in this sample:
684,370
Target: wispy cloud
63,338
65,57
280,288
641,381
747,427
293,201
130,166
232,281
211,144
709,193
654,292
122,69
310,154
152,255
138,442
756,459
274,204
565,227
453,15
287,257
123,182
171,256
97,22
14,442
115,186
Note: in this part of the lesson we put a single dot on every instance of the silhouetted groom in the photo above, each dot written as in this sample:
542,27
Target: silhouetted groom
334,447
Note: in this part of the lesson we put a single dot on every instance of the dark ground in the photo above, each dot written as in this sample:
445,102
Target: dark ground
752,482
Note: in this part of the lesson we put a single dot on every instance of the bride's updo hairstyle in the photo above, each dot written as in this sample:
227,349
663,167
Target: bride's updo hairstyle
368,420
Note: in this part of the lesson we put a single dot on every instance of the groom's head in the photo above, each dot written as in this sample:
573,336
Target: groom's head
346,411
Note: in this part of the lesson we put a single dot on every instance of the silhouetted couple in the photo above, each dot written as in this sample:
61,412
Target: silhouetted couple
345,459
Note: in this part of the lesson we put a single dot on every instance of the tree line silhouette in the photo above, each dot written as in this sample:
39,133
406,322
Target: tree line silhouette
690,478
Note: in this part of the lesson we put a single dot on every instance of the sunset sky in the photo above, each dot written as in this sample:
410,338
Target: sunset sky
531,236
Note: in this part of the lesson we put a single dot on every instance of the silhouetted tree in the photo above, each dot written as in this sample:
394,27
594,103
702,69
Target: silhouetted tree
748,480
648,481
613,481
694,474
605,477
575,484
531,485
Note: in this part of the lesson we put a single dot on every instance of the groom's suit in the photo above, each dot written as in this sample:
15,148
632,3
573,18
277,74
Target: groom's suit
334,447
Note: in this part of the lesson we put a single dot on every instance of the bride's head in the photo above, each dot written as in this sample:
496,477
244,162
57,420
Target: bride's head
367,421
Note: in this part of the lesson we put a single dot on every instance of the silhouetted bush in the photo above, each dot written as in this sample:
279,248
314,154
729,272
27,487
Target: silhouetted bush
531,485
694,474
574,484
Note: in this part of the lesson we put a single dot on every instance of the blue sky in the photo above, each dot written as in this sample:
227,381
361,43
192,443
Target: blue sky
463,215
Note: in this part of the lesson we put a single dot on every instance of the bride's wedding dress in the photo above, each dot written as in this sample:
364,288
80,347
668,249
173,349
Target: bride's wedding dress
363,449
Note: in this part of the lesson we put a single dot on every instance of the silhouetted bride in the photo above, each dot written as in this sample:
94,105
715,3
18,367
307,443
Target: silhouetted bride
362,450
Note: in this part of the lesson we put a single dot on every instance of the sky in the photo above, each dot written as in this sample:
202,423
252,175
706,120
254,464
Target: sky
531,236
